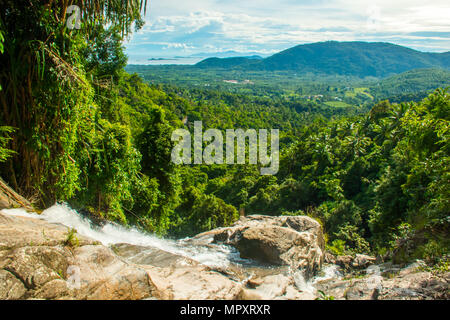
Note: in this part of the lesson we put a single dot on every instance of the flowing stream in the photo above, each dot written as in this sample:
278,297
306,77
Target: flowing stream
213,255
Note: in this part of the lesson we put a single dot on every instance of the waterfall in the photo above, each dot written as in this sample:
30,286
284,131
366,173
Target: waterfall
212,255
209,254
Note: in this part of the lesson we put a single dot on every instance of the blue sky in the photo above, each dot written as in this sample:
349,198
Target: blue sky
183,27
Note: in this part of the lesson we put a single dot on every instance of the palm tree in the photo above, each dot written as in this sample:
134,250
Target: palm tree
382,130
395,115
357,143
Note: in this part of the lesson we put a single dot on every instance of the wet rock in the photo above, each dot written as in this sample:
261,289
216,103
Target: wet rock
345,262
103,275
362,261
253,283
365,289
355,289
54,289
35,266
178,277
294,241
329,258
335,288
150,256
37,262
350,263
280,246
406,284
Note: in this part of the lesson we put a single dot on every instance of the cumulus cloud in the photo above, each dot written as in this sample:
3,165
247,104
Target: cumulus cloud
175,27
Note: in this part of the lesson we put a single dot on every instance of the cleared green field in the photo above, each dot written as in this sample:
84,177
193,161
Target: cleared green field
355,91
338,104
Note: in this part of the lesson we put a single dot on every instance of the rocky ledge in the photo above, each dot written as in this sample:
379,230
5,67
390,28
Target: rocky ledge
388,282
41,260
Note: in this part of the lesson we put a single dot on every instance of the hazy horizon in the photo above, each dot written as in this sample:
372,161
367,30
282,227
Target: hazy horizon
197,57
175,28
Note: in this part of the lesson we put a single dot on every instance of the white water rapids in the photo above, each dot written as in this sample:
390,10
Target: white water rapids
110,233
212,255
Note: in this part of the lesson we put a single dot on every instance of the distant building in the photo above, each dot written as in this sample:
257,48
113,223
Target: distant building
231,81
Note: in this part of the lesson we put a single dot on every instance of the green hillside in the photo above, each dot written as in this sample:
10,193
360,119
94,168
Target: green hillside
360,59
420,80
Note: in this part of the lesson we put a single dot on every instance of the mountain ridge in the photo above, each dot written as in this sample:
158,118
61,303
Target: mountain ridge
362,59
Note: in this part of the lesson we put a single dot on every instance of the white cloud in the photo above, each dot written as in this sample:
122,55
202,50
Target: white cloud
269,25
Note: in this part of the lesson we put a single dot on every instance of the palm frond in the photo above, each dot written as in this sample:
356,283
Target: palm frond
117,12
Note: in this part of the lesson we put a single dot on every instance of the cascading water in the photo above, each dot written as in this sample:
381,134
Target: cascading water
109,234
213,255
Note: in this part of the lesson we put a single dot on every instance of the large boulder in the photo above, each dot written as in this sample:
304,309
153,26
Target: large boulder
295,241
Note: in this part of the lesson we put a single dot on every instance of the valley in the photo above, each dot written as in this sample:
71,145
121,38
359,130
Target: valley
129,173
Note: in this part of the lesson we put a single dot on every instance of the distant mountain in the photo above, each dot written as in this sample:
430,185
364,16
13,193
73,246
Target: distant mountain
360,59
227,54
228,63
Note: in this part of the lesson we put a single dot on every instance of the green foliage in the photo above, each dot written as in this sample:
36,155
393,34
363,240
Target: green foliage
104,57
5,137
71,238
432,252
324,296
337,247
304,92
411,85
200,212
109,171
155,146
439,268
366,175
2,39
353,238
47,94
